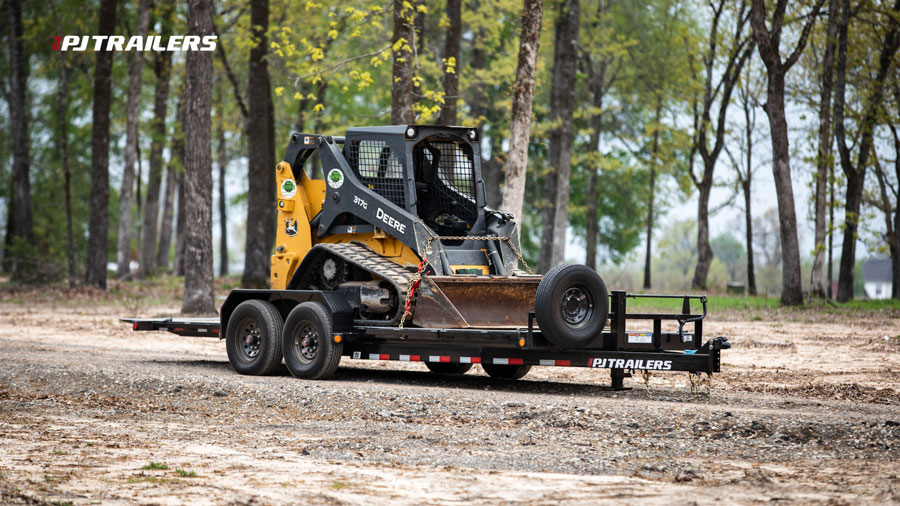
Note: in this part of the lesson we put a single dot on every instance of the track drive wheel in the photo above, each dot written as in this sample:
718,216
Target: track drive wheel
447,367
571,306
309,348
253,338
501,371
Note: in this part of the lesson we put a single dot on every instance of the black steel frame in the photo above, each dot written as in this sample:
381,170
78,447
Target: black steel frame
614,350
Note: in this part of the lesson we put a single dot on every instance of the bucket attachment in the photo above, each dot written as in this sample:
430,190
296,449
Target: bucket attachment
475,301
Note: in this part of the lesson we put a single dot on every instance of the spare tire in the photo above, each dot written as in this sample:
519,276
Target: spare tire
571,306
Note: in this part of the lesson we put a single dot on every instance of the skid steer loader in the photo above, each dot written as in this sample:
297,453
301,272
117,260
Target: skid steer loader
393,254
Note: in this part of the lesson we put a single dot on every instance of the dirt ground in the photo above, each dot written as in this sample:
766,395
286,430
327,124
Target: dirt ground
806,410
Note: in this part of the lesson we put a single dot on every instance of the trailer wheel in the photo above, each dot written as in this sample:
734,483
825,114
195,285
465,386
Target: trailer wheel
502,371
309,348
253,338
447,367
571,306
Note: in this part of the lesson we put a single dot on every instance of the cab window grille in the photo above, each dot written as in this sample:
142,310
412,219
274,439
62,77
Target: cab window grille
448,198
379,169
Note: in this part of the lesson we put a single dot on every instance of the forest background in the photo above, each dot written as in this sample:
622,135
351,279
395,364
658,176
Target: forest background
672,144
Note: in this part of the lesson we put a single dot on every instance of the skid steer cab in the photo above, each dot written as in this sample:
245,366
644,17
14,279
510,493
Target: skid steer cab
387,250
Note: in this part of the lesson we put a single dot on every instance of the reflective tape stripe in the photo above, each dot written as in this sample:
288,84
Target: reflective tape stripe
469,360
410,358
438,358
558,363
376,356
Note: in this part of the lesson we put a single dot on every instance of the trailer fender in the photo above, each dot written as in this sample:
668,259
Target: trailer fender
286,300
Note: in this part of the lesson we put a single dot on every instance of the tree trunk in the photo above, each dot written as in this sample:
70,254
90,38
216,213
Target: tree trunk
95,274
492,166
180,228
737,56
704,250
450,77
492,171
63,120
887,208
135,69
748,224
402,72
198,253
222,151
856,176
830,291
895,241
173,171
18,111
162,68
562,106
792,289
593,192
654,151
520,118
261,157
823,158
768,43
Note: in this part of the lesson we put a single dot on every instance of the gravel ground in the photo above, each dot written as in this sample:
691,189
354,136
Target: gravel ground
805,411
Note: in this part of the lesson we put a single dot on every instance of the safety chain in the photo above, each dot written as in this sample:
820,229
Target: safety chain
416,278
697,382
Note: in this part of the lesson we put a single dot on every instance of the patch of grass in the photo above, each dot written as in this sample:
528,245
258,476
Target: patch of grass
185,473
62,503
57,451
721,303
338,485
155,466
89,443
49,478
146,479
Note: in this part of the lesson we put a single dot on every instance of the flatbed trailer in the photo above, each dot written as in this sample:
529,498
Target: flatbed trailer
502,351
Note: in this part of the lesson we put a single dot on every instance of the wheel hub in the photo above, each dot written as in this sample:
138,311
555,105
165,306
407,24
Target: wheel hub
250,343
576,306
306,340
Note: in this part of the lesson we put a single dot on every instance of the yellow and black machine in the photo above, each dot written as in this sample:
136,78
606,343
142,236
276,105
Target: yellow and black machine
393,254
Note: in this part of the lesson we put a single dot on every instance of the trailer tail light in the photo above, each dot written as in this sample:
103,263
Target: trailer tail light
134,326
337,338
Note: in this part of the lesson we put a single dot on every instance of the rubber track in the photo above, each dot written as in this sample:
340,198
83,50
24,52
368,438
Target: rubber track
364,258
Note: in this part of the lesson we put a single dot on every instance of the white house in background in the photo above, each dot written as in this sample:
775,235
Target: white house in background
877,273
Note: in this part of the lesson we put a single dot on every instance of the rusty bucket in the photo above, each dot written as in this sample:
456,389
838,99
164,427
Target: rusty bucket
475,301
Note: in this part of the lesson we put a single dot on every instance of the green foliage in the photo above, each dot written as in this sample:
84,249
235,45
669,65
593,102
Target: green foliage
621,206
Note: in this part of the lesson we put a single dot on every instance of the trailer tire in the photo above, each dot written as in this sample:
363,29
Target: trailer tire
253,338
502,371
308,343
447,367
571,306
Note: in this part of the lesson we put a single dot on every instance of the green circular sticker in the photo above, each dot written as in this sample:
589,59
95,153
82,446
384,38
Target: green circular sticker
288,188
335,178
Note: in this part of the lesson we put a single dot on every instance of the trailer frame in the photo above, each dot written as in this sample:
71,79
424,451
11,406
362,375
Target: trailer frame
617,349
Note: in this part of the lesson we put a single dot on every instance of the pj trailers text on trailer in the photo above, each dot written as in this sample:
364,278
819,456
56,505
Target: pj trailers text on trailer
257,325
